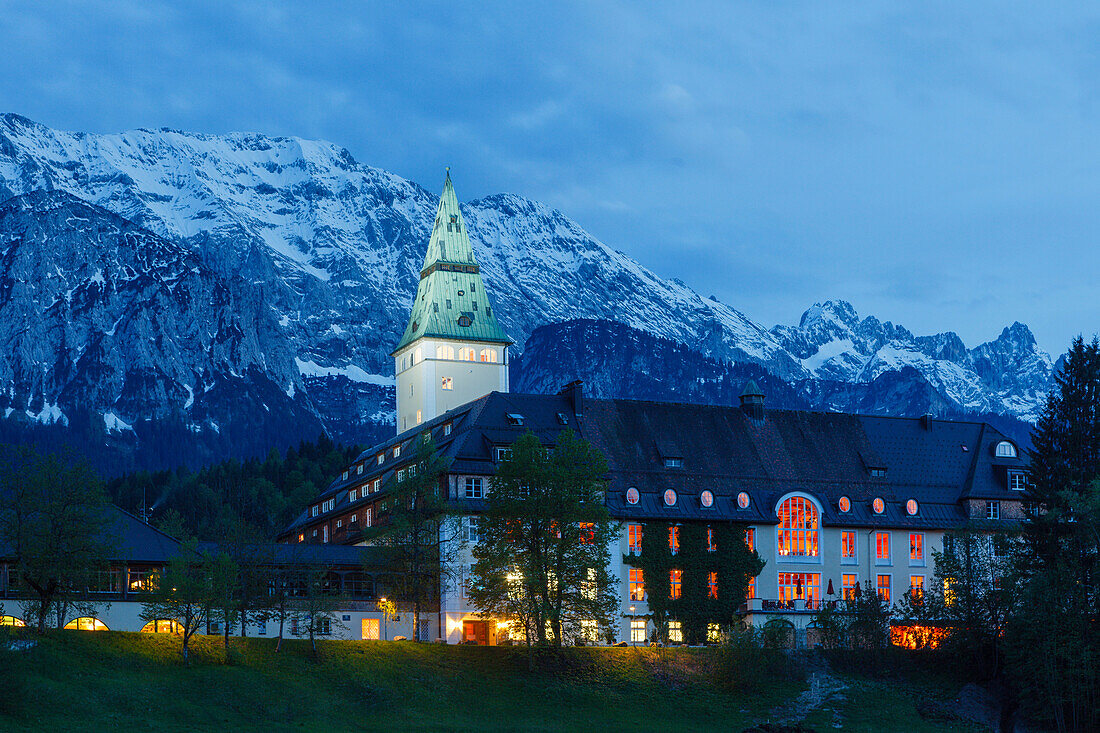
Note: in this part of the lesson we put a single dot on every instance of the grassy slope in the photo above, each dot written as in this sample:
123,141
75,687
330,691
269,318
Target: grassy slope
79,681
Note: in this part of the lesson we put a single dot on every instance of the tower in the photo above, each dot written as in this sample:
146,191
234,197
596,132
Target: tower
453,349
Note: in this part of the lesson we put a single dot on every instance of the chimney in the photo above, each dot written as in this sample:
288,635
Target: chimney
574,392
926,421
752,401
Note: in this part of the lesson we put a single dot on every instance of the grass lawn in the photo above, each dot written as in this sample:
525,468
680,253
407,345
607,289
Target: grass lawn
116,681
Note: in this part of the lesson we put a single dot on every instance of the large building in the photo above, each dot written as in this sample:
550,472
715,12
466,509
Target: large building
828,500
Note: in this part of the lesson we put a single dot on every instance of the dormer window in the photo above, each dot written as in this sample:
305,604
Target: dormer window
845,504
502,454
878,505
514,418
911,507
742,500
360,469
878,473
706,499
447,429
674,463
344,476
396,451
464,321
381,458
563,419
1017,480
670,497
1005,449
632,495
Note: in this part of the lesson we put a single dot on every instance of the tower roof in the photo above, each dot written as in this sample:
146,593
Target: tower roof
451,301
752,389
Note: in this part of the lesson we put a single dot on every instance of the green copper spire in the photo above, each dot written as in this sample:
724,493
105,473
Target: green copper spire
451,301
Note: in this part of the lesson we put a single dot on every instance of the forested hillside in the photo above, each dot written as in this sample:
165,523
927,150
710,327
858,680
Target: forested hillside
255,497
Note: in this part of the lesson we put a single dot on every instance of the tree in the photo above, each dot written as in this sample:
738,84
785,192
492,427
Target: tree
1054,642
225,576
418,538
183,593
55,517
314,610
544,542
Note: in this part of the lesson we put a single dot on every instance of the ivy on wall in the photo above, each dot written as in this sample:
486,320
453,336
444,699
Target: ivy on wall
731,561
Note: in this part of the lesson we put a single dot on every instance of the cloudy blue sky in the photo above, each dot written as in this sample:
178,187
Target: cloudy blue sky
936,164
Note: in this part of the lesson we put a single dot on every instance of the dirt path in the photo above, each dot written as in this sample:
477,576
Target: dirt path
824,687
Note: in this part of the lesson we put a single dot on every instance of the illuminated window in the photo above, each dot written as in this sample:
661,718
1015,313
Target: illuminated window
1005,449
488,354
670,497
674,539
712,585
884,587
87,623
447,383
911,507
806,586
848,583
301,537
916,585
750,538
637,586
993,510
11,621
797,528
845,504
637,630
949,591
752,588
847,547
587,533
714,633
916,548
743,500
878,505
675,632
634,538
142,581
162,626
419,416
632,495
706,499
674,578
882,548
467,354
710,540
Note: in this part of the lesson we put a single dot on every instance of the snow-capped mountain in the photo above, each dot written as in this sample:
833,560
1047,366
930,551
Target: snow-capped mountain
1009,375
144,269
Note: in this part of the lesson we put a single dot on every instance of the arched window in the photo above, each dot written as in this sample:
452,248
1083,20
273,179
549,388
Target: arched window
466,353
797,528
418,355
11,621
87,623
443,351
1005,449
488,354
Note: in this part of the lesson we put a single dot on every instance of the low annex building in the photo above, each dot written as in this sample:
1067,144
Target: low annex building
120,592
829,500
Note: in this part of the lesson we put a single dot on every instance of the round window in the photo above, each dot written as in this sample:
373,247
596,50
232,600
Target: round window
845,504
670,497
631,495
706,499
878,505
911,507
743,500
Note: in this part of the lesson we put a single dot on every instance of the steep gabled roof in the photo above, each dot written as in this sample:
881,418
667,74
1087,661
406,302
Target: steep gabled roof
451,301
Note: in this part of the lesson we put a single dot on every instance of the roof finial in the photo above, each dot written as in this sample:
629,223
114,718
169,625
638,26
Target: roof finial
448,169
